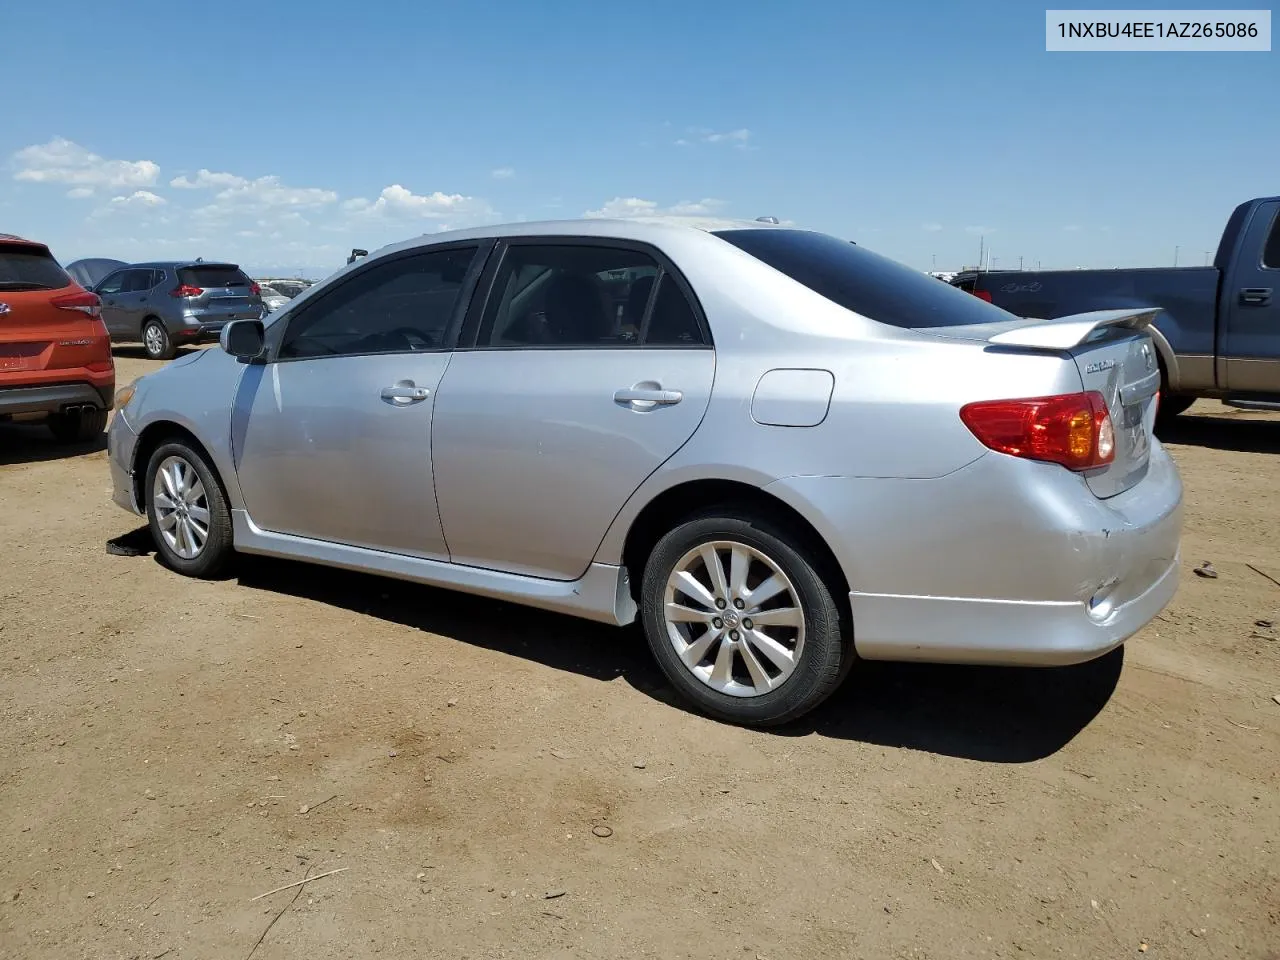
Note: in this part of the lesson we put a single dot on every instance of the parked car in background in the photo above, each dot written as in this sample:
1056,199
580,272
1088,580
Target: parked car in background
1218,327
272,299
772,446
92,270
165,305
55,355
286,287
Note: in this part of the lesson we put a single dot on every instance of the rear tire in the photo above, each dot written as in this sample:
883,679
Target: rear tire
157,342
187,511
77,426
736,652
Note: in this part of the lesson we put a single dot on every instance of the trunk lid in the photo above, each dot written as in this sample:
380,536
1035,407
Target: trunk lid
1115,356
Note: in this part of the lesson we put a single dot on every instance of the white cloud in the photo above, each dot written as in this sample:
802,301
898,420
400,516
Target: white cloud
931,227
139,198
208,180
79,193
502,173
62,161
979,231
738,138
622,207
1072,228
270,192
397,202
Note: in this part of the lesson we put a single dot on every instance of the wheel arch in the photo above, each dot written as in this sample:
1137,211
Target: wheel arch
150,440
676,503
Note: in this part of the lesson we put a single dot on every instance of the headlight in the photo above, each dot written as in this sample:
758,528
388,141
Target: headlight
125,394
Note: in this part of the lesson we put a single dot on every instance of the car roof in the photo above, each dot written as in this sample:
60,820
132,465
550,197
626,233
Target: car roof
180,264
646,229
14,238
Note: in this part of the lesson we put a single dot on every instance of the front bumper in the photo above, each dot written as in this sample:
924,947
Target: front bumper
121,442
1005,561
52,398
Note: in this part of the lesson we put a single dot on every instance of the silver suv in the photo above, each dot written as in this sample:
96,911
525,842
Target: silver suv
165,305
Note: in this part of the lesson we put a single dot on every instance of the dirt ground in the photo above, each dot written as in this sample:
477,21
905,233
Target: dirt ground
170,749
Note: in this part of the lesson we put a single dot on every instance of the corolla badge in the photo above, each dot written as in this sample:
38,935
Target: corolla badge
4,308
1098,366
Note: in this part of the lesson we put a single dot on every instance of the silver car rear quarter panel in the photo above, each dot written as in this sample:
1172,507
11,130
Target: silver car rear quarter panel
996,563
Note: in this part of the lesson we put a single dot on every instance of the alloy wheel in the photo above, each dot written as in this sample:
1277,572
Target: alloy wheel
181,507
734,618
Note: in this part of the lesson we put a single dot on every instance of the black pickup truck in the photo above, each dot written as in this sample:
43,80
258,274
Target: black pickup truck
1218,330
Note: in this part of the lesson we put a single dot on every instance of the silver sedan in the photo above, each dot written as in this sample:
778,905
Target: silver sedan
778,450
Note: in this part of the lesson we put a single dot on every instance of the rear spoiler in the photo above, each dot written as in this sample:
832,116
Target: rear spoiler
1063,333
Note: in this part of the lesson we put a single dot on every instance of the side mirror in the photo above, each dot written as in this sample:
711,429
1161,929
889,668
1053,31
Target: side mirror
243,339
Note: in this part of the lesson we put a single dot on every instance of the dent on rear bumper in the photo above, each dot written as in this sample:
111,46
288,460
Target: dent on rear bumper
997,562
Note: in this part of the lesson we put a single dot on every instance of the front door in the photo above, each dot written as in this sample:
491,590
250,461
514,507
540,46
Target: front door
332,437
115,308
588,369
1251,342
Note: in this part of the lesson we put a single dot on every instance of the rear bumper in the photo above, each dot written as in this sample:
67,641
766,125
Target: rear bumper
197,329
1005,561
54,397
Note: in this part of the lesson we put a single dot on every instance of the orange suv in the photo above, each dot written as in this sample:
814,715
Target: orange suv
55,354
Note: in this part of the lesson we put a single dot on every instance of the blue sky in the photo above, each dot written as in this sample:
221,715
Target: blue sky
911,128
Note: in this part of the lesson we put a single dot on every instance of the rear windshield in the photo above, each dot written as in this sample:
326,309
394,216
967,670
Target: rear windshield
866,283
24,268
214,276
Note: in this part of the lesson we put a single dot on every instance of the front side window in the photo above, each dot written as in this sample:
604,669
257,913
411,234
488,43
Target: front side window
115,282
396,306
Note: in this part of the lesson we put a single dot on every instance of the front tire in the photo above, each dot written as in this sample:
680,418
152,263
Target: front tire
741,620
77,426
187,511
157,342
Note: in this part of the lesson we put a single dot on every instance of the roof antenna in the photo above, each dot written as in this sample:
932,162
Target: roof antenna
767,220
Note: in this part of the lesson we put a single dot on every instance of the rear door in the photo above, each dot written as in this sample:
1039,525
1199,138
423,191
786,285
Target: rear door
557,411
1250,345
220,292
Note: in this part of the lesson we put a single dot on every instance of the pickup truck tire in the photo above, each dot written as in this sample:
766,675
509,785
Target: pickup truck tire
1171,405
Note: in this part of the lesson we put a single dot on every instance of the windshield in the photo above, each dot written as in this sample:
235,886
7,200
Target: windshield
866,283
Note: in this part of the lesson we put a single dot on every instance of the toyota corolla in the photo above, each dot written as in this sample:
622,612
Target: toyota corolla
778,450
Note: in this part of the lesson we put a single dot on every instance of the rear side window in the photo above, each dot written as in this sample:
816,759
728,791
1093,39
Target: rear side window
28,268
861,281
589,296
214,276
1271,252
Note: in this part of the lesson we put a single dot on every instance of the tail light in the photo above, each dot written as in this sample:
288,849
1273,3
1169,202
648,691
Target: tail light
186,290
255,289
983,295
1074,429
84,302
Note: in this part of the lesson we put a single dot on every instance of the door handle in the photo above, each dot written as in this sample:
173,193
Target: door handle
1256,295
648,395
404,393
